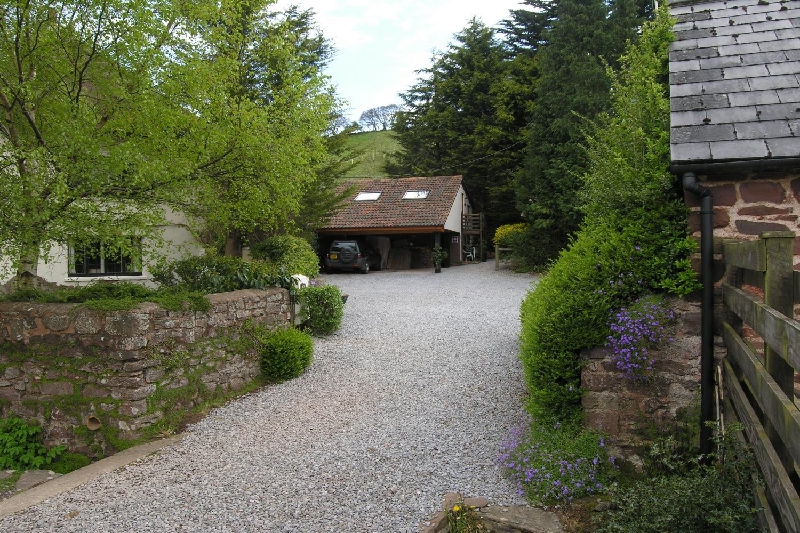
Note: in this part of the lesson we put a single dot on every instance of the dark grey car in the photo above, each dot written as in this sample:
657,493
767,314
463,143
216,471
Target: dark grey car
352,254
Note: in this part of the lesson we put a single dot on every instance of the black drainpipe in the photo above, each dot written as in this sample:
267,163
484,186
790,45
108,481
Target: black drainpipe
707,311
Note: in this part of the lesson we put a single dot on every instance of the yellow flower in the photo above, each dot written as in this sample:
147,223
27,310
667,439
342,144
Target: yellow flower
456,508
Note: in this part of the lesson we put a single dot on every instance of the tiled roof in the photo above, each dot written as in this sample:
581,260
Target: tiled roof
735,80
390,210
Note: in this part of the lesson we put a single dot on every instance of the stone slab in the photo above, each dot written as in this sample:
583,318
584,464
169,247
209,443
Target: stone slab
520,519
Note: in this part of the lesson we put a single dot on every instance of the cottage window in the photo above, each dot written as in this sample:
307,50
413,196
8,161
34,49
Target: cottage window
415,195
96,259
367,196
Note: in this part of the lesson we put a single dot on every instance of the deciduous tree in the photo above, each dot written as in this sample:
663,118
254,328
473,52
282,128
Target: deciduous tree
90,148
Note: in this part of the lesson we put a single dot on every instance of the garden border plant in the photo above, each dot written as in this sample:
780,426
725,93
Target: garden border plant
633,240
321,308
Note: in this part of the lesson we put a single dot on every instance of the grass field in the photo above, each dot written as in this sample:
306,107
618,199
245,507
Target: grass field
375,146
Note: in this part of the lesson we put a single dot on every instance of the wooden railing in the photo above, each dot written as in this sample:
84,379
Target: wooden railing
760,390
472,224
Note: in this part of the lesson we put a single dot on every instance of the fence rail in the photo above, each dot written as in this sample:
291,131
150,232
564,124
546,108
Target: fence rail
761,390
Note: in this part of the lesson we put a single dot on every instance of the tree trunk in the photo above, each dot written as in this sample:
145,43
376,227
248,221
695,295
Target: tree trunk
28,269
233,244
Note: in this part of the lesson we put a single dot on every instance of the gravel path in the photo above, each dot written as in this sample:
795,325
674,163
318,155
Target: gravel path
409,400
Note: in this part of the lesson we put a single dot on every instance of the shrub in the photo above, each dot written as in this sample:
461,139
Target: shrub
293,255
115,296
635,330
285,353
715,497
507,235
555,463
69,462
213,274
438,255
321,308
624,248
20,448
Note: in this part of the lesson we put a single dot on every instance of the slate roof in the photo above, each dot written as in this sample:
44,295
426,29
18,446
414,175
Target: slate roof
390,210
735,80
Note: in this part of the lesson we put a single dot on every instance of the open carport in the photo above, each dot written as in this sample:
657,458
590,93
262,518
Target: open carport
404,219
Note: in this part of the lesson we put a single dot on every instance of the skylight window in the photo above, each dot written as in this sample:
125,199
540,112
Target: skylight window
415,195
366,196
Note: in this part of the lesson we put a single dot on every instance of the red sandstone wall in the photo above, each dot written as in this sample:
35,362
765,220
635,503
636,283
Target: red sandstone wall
625,409
745,205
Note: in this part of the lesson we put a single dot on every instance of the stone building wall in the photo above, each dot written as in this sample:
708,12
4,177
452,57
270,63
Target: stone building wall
745,205
628,410
94,378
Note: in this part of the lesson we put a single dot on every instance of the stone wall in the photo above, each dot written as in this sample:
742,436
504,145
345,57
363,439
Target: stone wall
627,410
93,378
746,205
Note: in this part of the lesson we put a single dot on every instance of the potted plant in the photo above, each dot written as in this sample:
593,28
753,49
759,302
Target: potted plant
438,254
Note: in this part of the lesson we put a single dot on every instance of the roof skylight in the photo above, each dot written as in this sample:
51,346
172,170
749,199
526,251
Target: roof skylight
415,195
366,196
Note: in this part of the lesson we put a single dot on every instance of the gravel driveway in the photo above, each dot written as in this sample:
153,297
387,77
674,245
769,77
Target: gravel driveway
409,400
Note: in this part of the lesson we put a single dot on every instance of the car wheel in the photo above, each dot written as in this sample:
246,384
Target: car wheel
365,270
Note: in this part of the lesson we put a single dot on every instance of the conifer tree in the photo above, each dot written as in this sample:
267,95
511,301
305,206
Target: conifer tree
455,120
578,39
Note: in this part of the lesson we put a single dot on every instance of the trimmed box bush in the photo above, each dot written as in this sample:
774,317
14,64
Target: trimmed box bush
285,353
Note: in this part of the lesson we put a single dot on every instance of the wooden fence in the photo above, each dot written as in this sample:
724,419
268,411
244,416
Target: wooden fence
760,389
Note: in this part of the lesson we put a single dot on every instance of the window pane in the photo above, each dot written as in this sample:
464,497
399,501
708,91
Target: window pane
415,195
363,196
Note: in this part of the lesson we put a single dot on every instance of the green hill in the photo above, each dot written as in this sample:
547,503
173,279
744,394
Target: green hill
375,147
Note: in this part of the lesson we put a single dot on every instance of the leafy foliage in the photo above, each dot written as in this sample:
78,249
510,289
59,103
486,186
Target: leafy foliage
555,463
709,497
20,448
321,308
285,353
438,255
575,39
114,296
508,235
463,519
117,112
92,149
289,254
210,274
622,250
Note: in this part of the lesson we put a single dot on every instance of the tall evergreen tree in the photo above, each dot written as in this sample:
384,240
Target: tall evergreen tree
455,121
576,39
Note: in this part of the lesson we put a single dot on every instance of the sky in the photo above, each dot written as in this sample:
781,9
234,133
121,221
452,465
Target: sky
381,43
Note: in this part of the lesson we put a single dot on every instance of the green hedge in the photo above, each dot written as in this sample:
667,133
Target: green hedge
294,255
321,308
211,274
633,239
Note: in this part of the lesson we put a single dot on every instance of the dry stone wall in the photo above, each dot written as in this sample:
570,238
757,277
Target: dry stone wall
629,410
94,378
